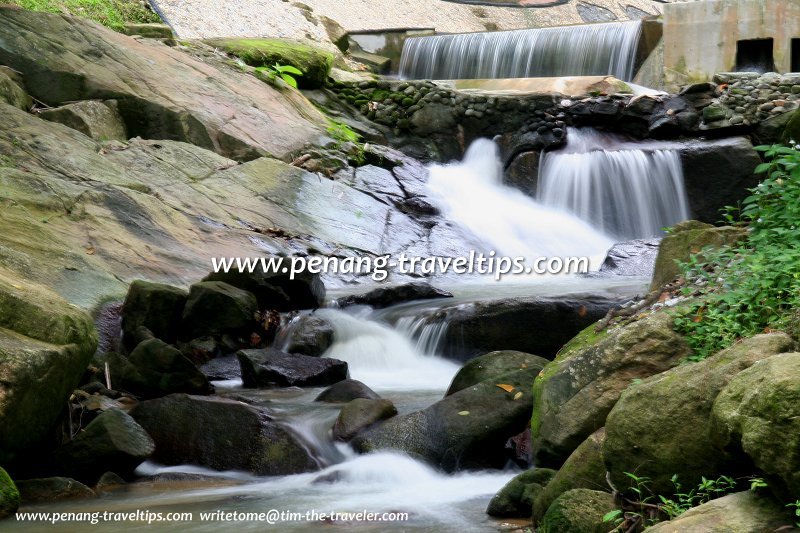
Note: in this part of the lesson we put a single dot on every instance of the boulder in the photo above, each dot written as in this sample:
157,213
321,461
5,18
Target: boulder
162,92
678,403
488,325
717,173
214,308
155,368
309,335
491,365
155,306
584,469
574,394
9,495
13,94
315,63
51,489
578,510
112,441
386,296
277,290
515,499
360,414
271,368
465,430
45,347
742,512
688,238
221,434
96,119
758,413
222,368
346,390
631,258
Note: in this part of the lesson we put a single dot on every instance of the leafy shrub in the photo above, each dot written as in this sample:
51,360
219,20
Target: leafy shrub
750,287
111,13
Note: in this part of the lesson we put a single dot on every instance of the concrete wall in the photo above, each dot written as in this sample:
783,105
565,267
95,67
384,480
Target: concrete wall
700,37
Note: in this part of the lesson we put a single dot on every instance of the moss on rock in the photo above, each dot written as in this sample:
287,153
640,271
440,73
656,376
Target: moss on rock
9,495
578,510
314,62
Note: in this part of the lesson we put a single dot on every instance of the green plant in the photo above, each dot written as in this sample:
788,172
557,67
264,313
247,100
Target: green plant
757,483
287,73
642,512
343,134
750,287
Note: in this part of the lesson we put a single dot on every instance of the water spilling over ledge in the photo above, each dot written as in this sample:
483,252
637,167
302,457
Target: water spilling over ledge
584,50
628,190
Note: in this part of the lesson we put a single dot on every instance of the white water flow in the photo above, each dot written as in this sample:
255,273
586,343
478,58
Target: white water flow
627,190
511,223
585,50
382,357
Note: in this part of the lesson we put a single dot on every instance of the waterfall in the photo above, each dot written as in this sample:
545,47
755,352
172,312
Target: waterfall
627,190
471,193
382,357
585,50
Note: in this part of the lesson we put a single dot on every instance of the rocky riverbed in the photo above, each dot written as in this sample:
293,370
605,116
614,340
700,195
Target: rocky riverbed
126,366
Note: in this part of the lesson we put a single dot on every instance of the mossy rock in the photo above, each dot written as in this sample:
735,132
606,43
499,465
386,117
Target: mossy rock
578,510
792,131
45,346
742,512
491,365
678,403
759,414
515,499
314,62
12,93
584,469
574,393
688,238
9,495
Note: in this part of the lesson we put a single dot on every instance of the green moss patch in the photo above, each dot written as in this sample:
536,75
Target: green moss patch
314,62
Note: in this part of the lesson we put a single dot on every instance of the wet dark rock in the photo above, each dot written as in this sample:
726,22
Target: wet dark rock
387,296
631,258
109,482
309,335
51,489
485,326
346,390
155,368
221,434
273,368
275,290
222,368
465,430
491,365
717,173
360,414
112,441
215,307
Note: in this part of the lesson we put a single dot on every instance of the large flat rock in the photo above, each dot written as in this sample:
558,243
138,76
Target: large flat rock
86,218
162,92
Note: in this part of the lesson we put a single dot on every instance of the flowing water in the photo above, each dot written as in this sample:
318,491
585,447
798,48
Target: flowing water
628,190
395,353
511,223
584,50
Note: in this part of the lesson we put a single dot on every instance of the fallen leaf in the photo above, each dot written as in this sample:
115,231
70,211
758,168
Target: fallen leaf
506,387
90,250
518,395
463,413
